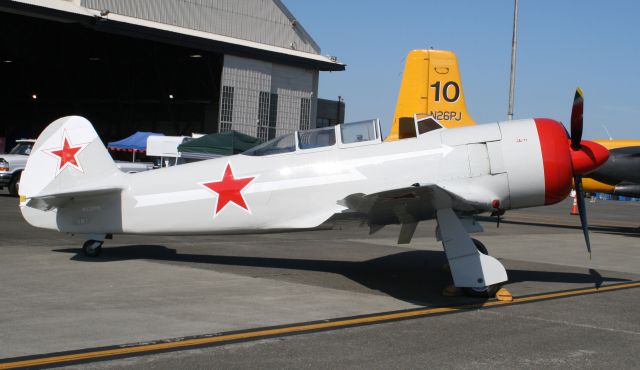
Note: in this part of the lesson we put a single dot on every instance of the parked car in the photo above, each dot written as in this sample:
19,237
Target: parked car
13,163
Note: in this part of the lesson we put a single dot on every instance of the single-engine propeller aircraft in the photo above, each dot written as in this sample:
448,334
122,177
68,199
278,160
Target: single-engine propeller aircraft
301,180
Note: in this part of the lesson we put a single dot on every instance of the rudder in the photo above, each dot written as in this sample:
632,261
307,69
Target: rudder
431,85
67,156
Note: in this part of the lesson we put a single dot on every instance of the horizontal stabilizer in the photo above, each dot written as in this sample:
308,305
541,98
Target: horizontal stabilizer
46,202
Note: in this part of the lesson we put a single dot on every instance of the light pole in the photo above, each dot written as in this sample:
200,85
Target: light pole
514,44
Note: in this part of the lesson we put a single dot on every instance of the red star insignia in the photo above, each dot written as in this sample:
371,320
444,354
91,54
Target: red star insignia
67,155
229,190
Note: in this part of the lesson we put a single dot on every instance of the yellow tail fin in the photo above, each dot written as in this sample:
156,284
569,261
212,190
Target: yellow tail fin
430,86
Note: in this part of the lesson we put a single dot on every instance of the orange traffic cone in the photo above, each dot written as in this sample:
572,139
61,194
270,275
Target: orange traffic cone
574,207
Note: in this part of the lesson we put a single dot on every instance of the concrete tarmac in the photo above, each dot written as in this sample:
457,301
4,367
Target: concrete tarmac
150,288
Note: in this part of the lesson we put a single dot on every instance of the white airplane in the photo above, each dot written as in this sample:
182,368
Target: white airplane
300,181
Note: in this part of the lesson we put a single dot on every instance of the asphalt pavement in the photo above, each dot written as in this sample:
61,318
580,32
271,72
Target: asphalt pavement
149,289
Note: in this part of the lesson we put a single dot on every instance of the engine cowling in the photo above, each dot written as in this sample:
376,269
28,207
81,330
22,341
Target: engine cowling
540,162
556,159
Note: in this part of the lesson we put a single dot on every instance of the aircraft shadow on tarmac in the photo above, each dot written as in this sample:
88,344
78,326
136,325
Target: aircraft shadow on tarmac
412,276
611,230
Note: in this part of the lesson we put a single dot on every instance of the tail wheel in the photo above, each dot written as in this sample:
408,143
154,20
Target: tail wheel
484,292
92,248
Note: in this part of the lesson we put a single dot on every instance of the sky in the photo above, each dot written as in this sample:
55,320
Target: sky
561,45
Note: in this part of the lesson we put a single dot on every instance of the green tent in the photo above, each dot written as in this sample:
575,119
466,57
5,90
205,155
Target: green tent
225,143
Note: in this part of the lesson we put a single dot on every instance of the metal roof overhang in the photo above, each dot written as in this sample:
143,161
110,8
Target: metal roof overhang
67,12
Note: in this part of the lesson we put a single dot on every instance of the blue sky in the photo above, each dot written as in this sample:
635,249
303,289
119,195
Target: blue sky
561,45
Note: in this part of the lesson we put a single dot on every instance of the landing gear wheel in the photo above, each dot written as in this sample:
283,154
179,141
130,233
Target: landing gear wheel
481,248
488,291
92,248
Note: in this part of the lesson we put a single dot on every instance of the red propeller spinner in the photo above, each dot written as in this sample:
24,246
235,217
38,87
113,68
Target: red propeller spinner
588,157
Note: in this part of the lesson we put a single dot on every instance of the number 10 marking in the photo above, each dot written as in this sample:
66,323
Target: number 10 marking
446,91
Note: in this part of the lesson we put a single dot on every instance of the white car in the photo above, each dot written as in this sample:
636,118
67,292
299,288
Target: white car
12,164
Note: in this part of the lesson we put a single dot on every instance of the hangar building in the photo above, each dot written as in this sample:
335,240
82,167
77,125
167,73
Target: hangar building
170,66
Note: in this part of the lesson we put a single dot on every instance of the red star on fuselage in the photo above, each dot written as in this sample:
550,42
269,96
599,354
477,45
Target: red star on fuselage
229,189
67,155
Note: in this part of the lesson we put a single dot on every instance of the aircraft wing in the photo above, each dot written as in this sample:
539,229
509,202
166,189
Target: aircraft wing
425,195
406,206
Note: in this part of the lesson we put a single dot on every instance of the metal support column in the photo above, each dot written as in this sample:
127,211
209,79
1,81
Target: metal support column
514,44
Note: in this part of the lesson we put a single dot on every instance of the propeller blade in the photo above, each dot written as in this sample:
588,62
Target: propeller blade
576,119
582,210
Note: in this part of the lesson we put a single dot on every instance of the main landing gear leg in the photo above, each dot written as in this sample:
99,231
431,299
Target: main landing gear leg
93,246
478,274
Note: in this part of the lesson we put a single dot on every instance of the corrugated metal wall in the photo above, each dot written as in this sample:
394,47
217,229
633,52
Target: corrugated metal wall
264,21
292,90
247,77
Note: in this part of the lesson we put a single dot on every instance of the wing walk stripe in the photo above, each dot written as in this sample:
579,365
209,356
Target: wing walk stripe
128,350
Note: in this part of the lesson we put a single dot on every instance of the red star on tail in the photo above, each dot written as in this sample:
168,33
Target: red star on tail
67,155
229,189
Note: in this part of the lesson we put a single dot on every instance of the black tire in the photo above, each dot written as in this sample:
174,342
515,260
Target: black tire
486,292
14,184
481,248
92,248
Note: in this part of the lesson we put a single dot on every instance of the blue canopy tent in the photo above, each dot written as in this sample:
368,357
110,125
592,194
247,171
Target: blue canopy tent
134,143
